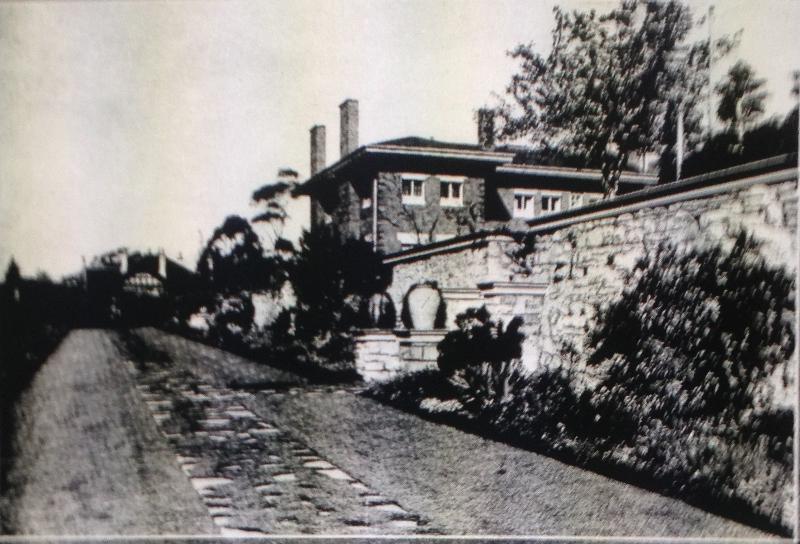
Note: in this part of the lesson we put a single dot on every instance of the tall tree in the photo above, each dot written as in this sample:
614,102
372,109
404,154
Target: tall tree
273,199
12,272
233,259
741,98
610,85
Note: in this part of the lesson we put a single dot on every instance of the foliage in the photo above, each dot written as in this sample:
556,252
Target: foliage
12,273
477,340
483,356
273,198
233,260
330,278
688,355
407,390
741,98
611,85
726,149
709,327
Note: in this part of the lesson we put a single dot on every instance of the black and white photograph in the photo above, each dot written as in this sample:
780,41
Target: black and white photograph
403,270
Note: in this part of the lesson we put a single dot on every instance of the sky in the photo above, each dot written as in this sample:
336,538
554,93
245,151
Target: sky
145,123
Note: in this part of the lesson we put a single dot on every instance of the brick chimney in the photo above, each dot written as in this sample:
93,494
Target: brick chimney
486,128
317,148
348,131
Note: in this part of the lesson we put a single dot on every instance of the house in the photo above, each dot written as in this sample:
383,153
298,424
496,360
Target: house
412,191
133,285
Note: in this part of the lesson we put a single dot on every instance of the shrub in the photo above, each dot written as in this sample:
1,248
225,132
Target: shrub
479,340
331,279
484,356
408,390
687,355
698,335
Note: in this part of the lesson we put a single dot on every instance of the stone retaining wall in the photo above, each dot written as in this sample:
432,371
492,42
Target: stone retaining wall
383,354
581,261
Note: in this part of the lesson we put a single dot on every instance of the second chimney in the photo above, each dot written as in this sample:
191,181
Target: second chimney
348,131
486,128
317,148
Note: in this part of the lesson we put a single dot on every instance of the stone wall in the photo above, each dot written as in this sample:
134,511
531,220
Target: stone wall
377,355
581,261
456,271
585,265
383,354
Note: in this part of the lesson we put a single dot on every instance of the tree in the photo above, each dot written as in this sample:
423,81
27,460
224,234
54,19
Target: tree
610,84
741,98
12,273
233,259
331,281
273,198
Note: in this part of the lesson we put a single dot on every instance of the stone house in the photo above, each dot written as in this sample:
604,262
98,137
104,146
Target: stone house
413,191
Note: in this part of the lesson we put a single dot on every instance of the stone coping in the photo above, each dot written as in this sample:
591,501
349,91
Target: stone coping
421,334
366,334
500,288
475,240
654,197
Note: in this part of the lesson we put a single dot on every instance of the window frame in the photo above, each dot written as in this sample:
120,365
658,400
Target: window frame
415,180
449,182
527,195
559,197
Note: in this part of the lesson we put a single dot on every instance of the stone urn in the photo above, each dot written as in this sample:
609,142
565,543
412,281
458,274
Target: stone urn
423,304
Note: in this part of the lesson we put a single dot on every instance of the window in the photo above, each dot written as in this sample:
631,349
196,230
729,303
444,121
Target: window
551,203
575,200
452,192
413,190
523,205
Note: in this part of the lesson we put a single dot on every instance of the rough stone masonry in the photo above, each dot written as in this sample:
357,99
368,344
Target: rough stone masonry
579,263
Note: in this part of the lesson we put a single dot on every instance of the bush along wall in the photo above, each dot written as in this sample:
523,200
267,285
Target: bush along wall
333,282
686,367
692,357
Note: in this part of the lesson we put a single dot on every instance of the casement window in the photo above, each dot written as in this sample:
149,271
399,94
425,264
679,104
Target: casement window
413,190
551,203
451,191
523,204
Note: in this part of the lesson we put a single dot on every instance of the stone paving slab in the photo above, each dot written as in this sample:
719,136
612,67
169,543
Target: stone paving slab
254,478
462,483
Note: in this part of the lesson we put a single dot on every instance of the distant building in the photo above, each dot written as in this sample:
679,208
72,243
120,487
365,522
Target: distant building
131,285
412,191
136,273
